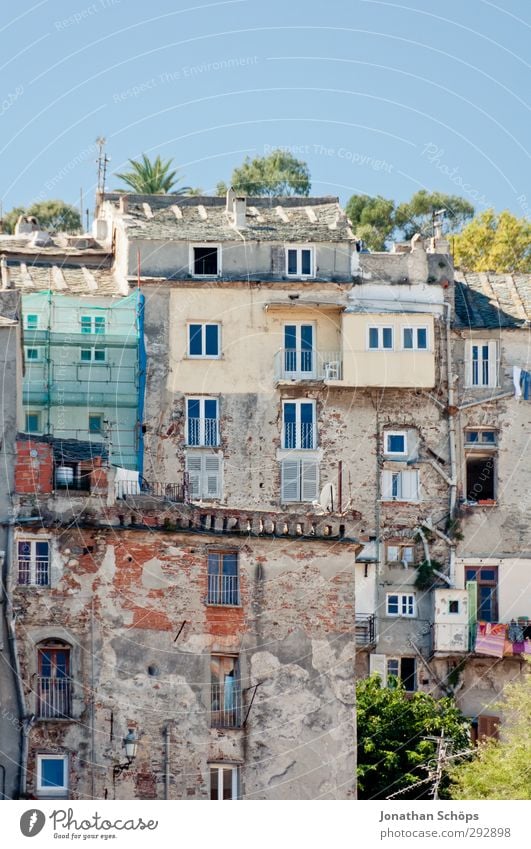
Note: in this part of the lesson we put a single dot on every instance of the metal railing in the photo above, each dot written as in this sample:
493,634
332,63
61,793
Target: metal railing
296,364
203,432
176,492
226,706
34,572
299,435
223,589
54,698
365,629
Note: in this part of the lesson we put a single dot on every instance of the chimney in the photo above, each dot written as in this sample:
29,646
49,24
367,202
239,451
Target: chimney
239,208
6,277
124,203
230,200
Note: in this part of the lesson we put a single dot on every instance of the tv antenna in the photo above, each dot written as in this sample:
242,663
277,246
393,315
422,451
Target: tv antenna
103,161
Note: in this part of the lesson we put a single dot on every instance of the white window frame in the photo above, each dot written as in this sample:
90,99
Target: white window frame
92,319
380,328
26,323
298,402
299,249
415,328
398,660
203,325
493,363
480,443
298,373
37,359
191,263
92,349
203,472
52,791
387,450
302,463
236,779
399,496
400,548
406,602
202,421
33,560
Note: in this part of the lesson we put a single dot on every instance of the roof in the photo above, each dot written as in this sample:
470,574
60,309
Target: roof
69,450
206,219
485,299
7,322
63,279
61,245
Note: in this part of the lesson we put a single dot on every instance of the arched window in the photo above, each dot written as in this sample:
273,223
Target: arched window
54,691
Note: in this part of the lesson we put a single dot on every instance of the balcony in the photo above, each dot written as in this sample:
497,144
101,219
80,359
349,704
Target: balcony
174,492
226,703
365,629
299,365
54,698
223,589
201,432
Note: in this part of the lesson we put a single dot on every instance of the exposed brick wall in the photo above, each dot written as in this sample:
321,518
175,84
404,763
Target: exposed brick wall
33,474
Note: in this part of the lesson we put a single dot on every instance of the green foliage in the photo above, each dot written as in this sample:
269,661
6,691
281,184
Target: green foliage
425,577
392,727
372,219
152,177
416,215
494,242
501,769
275,175
53,215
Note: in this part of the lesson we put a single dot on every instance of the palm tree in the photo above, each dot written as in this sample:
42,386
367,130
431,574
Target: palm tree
152,177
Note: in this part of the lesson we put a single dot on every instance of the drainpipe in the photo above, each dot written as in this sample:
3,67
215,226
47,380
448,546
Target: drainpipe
142,365
441,575
451,435
167,740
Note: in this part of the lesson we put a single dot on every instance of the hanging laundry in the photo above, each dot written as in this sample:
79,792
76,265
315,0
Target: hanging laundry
517,376
490,639
525,383
515,632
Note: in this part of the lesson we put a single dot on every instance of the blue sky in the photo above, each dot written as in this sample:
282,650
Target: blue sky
378,97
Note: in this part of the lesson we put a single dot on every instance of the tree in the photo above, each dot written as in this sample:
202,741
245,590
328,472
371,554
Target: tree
271,176
52,215
372,219
416,215
494,242
393,751
152,177
501,769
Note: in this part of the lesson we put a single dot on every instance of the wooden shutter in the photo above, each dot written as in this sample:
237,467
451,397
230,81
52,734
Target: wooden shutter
290,480
309,480
387,485
211,476
488,727
493,363
378,664
193,469
410,485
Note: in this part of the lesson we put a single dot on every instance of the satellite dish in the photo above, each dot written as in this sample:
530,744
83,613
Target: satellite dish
327,498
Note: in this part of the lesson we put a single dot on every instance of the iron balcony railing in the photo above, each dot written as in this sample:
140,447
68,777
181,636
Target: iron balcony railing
176,492
34,572
226,706
54,698
223,589
365,629
297,364
299,435
203,432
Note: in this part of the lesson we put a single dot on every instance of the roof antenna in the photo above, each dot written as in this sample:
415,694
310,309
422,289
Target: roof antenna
103,161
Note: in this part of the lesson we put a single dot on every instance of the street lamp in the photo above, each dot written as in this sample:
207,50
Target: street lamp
130,744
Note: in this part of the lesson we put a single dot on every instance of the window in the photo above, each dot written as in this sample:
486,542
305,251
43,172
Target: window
396,442
481,363
400,486
93,324
299,262
52,775
33,354
480,478
225,692
480,437
380,339
403,668
204,475
33,562
298,427
95,422
299,480
223,579
401,554
203,340
486,579
415,338
205,260
224,781
400,604
299,355
31,321
93,355
202,422
33,423
54,683
453,606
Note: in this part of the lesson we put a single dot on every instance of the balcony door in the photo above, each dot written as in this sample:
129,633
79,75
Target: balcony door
299,353
54,681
